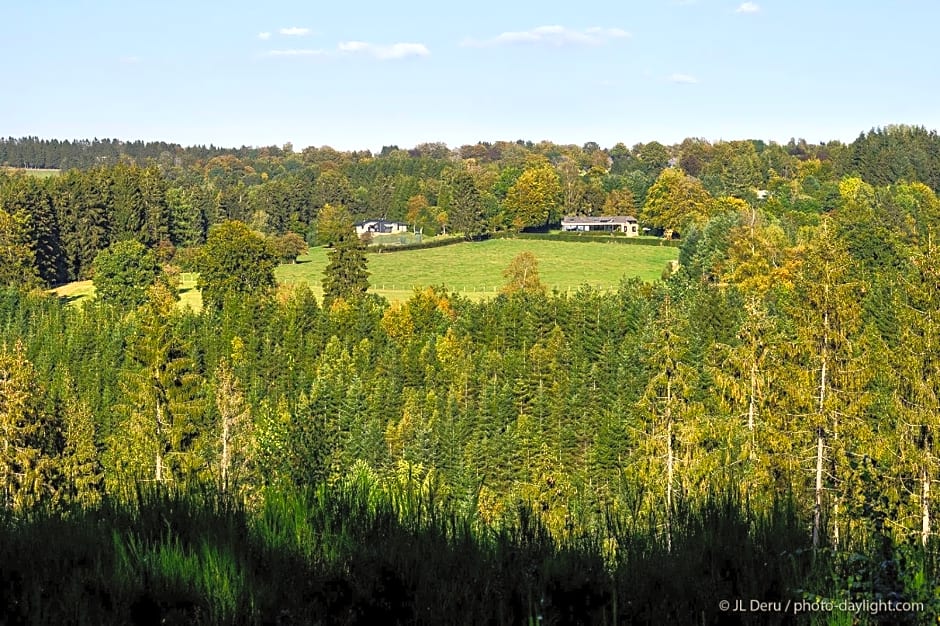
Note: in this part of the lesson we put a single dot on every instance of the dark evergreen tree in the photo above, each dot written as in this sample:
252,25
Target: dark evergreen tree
346,277
467,212
162,438
17,259
30,436
31,196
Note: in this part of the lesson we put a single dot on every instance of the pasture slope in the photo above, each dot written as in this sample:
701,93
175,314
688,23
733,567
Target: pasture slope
32,171
473,269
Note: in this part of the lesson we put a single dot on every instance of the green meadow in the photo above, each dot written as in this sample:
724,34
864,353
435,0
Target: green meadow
31,171
80,290
474,269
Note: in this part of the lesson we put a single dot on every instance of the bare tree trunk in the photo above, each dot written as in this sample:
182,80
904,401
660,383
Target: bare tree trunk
752,409
925,507
670,465
158,473
820,441
817,508
226,460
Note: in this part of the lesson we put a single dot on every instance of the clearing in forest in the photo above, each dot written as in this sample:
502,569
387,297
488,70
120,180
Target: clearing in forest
475,269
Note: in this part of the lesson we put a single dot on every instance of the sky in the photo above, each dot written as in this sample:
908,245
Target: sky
362,75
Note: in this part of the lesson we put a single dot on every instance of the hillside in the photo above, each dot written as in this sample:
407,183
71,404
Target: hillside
476,269
472,269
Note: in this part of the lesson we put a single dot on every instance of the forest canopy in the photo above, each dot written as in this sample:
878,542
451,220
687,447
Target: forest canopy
789,359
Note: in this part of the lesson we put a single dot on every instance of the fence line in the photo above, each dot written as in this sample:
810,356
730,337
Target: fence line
494,289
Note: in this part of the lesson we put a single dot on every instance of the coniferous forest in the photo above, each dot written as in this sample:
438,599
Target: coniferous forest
761,425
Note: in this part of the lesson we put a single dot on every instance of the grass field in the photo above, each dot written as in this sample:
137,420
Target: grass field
82,289
41,173
473,269
476,269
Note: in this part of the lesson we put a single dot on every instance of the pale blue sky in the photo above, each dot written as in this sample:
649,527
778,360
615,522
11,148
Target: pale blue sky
358,75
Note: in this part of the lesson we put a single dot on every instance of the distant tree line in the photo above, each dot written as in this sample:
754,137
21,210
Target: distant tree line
167,197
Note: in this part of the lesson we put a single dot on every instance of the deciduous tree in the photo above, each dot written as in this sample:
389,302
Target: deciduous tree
674,201
533,201
522,275
123,272
234,261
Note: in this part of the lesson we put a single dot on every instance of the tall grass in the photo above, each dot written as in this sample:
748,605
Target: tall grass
357,554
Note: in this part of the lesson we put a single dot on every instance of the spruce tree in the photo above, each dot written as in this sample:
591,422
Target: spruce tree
235,425
80,465
918,396
162,439
28,435
346,276
17,259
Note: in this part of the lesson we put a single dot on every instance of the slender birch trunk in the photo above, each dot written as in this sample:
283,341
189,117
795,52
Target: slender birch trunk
925,507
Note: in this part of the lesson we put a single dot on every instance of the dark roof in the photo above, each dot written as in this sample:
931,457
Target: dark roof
598,220
379,223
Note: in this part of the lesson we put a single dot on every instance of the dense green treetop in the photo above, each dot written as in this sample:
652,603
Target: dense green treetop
234,261
675,202
123,272
346,276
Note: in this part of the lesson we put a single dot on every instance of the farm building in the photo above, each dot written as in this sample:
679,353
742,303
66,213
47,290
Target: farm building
604,223
380,227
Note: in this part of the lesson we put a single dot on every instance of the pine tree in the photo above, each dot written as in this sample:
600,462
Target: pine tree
346,276
80,465
918,395
29,437
162,439
666,401
235,426
826,384
17,259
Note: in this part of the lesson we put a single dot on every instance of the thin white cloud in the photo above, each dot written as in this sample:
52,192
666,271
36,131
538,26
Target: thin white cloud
294,31
682,79
264,36
552,35
130,60
353,46
385,52
389,52
748,7
297,52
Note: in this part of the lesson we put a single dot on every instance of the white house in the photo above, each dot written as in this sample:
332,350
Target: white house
602,223
380,227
